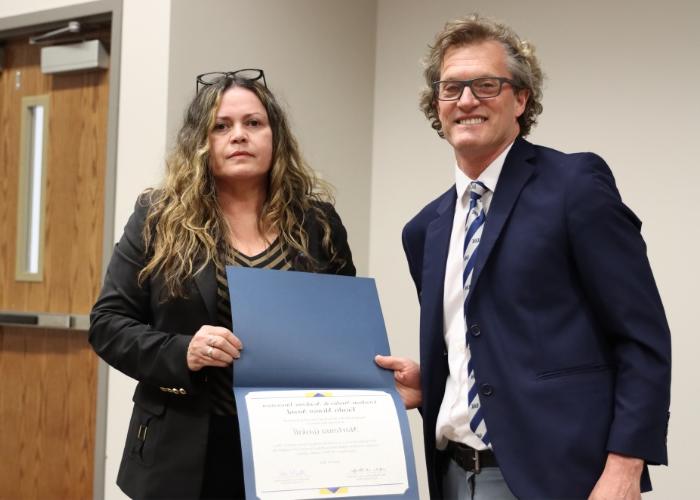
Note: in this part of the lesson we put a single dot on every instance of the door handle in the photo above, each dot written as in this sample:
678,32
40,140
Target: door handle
80,322
18,319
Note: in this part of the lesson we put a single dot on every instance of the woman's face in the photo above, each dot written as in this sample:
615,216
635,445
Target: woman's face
240,145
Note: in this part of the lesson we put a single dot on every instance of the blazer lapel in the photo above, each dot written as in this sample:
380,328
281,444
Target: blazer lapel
516,171
206,284
437,242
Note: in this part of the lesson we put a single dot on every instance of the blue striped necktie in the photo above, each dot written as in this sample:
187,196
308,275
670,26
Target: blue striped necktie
475,225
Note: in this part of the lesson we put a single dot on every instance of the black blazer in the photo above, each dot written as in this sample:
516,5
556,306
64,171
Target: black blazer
133,330
568,336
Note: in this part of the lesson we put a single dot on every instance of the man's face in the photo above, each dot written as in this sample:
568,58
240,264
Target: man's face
479,130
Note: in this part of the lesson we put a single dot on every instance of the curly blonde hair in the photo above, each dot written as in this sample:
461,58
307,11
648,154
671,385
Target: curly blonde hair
185,226
522,63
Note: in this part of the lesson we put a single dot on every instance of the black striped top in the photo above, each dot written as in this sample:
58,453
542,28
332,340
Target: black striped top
221,379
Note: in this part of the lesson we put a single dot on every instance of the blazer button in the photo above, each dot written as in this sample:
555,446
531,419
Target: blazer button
486,389
475,330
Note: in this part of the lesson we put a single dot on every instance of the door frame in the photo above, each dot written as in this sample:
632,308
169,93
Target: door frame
18,25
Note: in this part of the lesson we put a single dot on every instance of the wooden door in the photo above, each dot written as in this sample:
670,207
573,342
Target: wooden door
48,376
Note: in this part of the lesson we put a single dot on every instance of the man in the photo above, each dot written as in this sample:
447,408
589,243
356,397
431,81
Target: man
544,348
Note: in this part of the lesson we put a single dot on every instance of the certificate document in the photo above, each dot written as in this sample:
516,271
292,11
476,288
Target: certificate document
317,417
321,443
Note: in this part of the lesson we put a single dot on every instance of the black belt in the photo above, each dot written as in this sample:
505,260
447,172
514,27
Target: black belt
469,459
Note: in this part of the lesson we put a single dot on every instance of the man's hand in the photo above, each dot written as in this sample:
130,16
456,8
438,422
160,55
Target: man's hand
620,479
407,377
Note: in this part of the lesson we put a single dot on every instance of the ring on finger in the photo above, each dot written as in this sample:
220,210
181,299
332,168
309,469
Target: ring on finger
209,352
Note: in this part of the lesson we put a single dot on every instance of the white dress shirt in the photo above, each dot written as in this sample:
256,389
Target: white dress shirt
453,419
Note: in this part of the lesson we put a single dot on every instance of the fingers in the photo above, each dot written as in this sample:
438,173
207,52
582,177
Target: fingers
226,342
215,355
211,357
407,377
406,371
213,346
394,363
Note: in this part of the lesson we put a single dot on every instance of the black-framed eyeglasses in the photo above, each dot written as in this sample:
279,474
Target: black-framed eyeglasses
250,74
481,88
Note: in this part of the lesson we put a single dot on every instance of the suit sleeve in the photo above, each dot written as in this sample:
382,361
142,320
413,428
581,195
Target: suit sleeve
610,255
342,264
413,249
120,321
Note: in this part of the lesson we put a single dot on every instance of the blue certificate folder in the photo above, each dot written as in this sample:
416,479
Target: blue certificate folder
308,331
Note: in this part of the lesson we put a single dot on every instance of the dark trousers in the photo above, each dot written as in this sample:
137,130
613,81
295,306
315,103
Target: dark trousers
223,471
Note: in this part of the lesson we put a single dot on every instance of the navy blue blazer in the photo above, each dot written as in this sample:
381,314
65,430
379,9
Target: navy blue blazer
568,335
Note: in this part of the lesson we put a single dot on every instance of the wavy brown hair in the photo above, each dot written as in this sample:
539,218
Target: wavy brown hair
185,227
521,61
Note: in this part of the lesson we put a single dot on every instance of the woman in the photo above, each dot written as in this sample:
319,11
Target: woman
236,191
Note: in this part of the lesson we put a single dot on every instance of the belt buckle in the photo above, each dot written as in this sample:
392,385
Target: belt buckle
477,463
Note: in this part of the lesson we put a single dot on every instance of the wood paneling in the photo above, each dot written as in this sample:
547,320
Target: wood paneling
47,414
75,167
48,377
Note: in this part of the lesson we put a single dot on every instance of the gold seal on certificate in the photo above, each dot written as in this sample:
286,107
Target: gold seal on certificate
316,444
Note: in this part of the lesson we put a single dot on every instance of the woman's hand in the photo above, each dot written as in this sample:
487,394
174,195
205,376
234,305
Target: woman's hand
213,346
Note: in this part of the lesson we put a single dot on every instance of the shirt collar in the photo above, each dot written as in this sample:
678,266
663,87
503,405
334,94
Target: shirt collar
489,176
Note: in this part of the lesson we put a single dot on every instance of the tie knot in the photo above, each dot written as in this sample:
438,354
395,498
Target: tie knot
477,190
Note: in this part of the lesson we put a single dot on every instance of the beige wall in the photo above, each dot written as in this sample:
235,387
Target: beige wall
606,64
360,127
318,57
140,148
